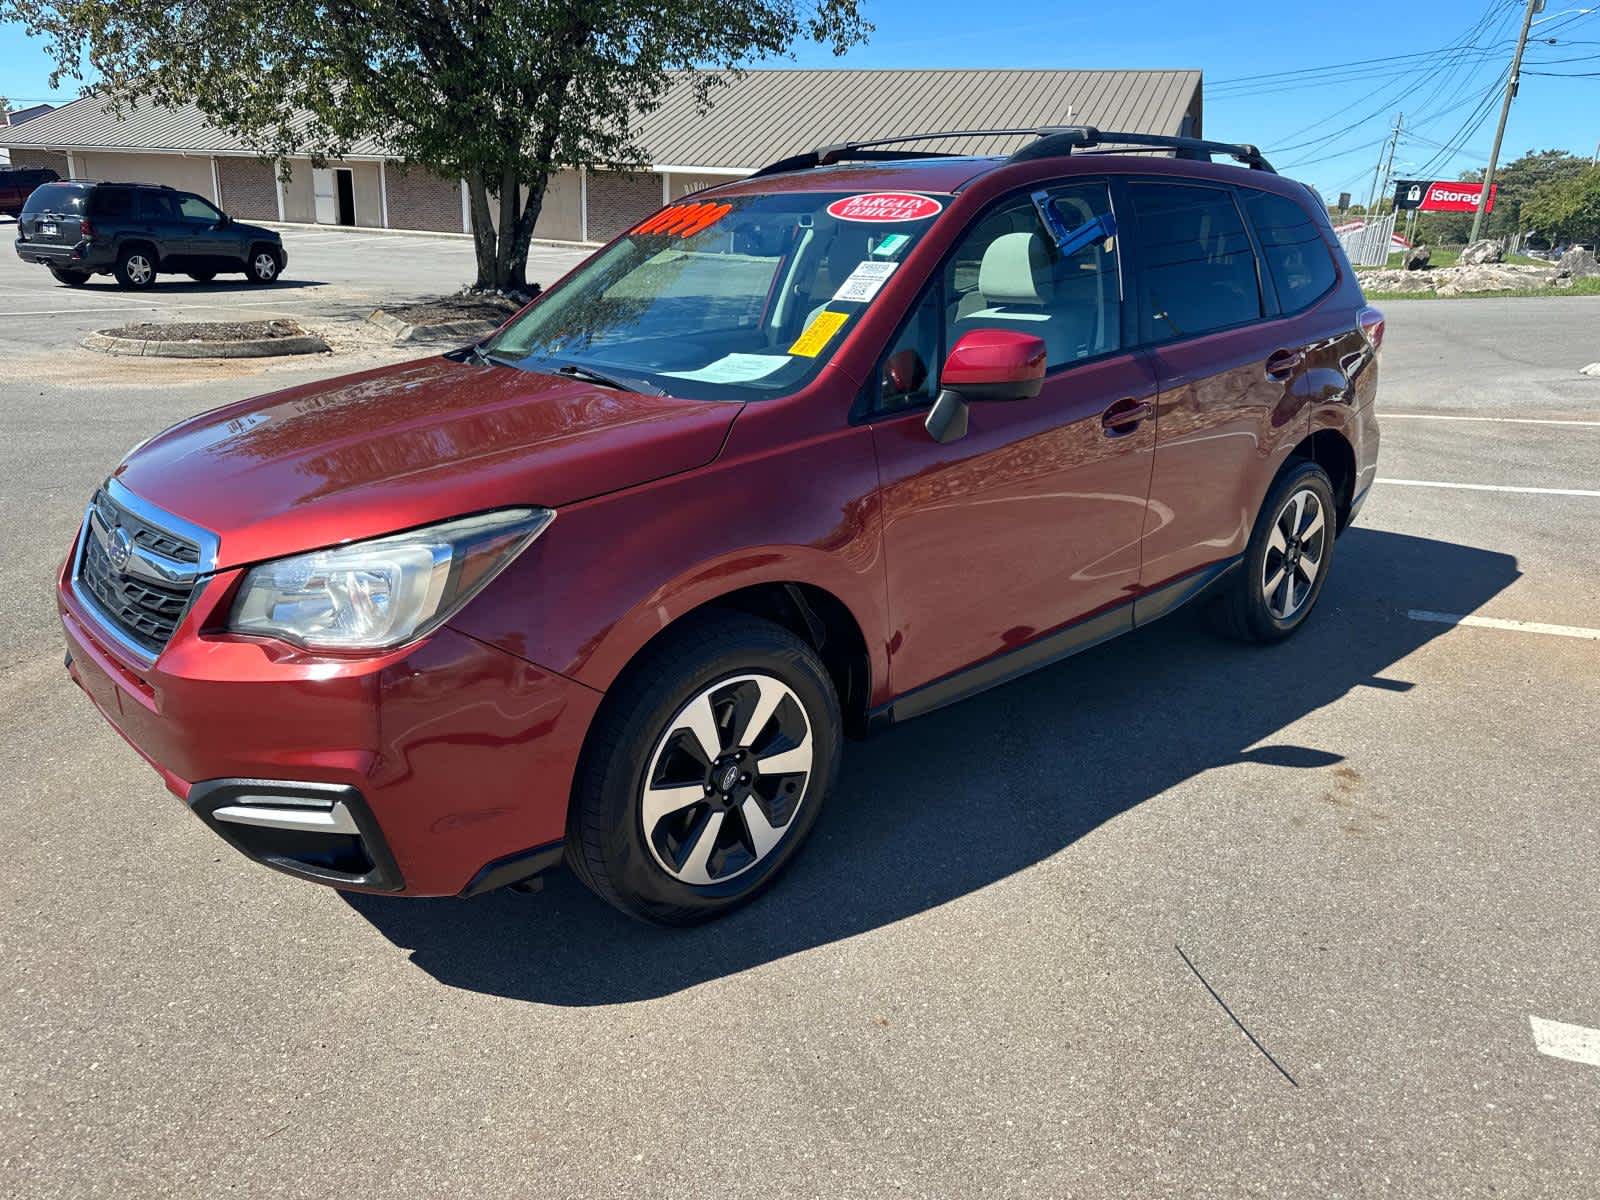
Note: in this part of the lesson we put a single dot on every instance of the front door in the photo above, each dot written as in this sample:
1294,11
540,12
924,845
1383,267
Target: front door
208,242
1032,521
325,196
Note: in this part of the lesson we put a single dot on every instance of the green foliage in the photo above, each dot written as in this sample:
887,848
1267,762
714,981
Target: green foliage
1567,210
1515,183
502,93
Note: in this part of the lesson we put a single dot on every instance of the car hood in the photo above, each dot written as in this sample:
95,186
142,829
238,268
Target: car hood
405,446
268,235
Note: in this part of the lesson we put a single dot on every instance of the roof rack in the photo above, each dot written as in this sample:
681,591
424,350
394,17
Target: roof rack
1052,141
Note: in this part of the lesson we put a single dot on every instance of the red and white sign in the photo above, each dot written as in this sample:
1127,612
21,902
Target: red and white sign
885,207
1445,196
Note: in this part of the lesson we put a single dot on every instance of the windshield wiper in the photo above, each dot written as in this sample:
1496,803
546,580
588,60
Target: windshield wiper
588,374
477,355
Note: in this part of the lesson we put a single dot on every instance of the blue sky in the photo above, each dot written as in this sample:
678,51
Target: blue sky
1270,71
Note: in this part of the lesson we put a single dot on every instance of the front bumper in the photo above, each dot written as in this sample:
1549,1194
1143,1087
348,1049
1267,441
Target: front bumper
439,769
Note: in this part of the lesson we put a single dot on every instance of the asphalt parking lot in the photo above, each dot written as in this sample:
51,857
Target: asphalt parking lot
1173,918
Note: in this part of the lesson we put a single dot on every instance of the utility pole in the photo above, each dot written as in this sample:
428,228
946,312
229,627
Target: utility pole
1505,111
1380,173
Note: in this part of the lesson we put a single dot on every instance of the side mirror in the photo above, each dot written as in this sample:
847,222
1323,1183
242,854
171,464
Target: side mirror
986,364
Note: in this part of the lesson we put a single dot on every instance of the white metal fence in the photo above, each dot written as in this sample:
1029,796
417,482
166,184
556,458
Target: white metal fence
1367,242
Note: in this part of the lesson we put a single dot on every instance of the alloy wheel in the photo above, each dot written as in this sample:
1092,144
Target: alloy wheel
265,266
139,269
1294,555
726,779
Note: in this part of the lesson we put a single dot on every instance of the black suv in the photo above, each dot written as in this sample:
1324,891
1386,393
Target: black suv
133,230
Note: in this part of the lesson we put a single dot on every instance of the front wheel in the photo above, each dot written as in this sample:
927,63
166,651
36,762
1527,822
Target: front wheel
705,770
263,266
1287,560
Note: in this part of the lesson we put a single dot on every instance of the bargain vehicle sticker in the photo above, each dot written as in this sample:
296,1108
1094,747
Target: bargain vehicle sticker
684,220
862,284
818,334
885,206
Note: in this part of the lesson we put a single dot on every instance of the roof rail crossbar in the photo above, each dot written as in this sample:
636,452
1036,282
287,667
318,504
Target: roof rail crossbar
1062,140
870,151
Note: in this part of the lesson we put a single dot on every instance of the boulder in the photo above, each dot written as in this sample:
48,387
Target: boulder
1481,253
1578,263
1418,257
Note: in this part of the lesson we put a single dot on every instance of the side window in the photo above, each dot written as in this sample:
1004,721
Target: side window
195,209
1197,270
1009,272
112,202
155,206
1297,257
908,376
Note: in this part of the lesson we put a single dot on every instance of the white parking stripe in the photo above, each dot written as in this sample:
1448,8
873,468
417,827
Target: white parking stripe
1394,416
1575,1043
1488,487
1440,618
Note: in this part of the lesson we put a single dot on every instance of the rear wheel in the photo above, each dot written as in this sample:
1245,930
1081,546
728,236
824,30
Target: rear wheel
263,266
1287,560
705,770
69,277
136,268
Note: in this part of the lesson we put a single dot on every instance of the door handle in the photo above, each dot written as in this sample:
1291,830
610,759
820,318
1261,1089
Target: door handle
1126,415
1280,366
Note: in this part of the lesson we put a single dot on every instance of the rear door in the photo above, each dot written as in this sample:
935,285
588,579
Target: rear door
156,219
54,213
1031,521
1229,405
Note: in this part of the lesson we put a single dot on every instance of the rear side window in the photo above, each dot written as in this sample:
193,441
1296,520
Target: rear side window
1197,270
56,198
156,206
1297,257
113,202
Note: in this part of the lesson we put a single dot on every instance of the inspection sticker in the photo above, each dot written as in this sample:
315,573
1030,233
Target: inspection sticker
885,206
864,282
818,334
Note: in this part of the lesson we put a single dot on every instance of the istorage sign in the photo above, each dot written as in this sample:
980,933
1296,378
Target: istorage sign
1440,195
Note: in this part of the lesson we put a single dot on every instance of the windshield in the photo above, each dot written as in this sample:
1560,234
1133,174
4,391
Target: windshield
56,198
741,299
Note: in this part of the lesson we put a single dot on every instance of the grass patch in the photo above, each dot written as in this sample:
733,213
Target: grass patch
1450,256
1580,287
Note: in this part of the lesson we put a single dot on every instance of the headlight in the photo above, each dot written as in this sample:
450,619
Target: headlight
382,593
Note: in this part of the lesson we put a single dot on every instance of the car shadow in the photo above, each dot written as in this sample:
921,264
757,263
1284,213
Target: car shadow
952,802
178,285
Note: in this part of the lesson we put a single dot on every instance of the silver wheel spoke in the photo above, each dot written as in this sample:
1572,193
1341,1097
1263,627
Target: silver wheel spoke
787,762
768,697
664,801
1314,525
1271,585
1277,541
694,869
763,836
699,720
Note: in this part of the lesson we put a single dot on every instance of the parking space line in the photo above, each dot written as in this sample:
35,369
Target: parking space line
1442,618
1396,416
1488,487
1575,1043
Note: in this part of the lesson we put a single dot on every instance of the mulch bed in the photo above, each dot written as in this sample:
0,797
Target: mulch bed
208,331
455,308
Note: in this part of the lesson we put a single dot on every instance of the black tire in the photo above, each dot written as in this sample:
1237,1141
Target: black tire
136,268
202,276
257,268
69,277
1244,610
608,846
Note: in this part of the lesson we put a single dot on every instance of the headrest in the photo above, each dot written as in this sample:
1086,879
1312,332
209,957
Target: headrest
1015,270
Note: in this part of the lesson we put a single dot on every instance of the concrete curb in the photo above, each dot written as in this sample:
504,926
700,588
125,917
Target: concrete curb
404,331
106,343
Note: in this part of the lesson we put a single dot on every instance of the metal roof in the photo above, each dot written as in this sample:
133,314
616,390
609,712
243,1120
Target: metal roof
756,117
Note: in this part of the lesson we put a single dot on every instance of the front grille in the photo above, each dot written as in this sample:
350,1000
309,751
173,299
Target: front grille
144,610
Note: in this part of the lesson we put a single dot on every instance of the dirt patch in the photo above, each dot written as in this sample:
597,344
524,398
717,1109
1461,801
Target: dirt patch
208,331
455,308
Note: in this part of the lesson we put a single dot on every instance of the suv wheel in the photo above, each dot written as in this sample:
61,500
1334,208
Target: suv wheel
136,268
1287,561
69,277
705,771
263,265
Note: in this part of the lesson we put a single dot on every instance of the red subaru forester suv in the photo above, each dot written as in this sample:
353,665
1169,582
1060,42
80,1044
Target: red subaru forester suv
798,457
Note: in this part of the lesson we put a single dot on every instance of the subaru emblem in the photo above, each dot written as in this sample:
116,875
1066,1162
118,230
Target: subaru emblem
119,549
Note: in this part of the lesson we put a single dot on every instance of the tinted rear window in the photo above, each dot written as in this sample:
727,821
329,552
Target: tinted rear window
112,202
57,198
1297,257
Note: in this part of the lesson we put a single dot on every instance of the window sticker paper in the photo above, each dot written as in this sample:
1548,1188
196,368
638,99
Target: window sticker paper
862,284
734,368
818,334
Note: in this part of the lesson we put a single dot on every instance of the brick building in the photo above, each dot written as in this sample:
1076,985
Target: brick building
759,117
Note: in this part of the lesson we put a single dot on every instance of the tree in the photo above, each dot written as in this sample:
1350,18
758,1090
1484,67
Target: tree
1567,209
1514,183
501,93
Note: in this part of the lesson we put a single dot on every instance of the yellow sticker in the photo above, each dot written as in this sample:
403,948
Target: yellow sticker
818,334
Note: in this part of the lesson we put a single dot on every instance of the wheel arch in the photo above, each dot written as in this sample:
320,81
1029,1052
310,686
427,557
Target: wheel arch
1332,451
140,243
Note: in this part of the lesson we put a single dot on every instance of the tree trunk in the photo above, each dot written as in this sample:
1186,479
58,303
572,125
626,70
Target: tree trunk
484,237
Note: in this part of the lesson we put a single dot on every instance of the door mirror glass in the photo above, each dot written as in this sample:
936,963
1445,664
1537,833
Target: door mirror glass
995,364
